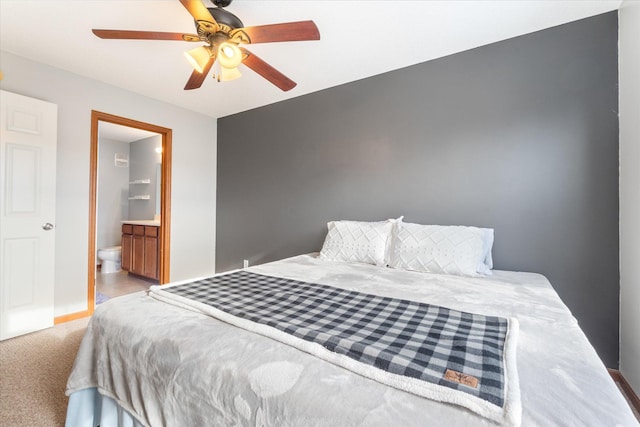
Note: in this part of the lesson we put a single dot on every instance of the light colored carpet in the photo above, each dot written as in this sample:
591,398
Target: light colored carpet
34,368
33,375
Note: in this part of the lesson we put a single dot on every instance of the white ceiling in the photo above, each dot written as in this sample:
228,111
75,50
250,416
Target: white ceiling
358,39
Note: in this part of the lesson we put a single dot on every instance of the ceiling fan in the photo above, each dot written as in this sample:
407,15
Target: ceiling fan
223,32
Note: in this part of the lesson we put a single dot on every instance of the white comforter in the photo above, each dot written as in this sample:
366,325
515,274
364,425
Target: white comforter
174,367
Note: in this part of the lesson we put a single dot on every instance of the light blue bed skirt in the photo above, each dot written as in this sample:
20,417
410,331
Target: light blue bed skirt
88,408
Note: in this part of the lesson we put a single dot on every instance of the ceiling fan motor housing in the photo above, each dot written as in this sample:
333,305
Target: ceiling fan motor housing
224,18
221,3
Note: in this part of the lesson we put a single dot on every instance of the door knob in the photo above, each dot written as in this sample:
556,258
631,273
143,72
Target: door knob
47,226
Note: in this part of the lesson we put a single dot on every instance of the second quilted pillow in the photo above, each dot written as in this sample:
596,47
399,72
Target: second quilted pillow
437,249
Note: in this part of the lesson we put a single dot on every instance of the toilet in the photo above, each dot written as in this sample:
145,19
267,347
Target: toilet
110,259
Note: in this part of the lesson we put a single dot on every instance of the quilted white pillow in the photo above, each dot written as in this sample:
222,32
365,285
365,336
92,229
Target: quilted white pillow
486,264
454,250
357,241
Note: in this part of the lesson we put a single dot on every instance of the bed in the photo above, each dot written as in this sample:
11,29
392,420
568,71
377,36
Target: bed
152,362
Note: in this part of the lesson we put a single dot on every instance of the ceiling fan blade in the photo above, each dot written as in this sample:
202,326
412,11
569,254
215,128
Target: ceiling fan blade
198,10
285,32
145,35
267,71
196,79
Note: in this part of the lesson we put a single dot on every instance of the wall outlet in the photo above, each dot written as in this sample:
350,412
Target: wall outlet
245,263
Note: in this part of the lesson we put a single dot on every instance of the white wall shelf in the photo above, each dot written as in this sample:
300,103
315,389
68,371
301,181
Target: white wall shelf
141,197
140,181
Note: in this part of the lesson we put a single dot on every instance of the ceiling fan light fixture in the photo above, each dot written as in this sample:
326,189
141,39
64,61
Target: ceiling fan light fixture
228,74
198,57
229,55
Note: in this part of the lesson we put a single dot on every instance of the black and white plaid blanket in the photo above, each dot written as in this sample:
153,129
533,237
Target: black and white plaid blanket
411,341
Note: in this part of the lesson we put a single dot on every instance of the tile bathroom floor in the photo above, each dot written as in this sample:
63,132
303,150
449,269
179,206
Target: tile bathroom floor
121,283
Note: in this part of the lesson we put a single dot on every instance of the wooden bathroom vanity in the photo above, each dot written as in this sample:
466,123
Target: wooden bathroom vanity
141,248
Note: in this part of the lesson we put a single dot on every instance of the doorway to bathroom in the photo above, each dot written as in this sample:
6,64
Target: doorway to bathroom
129,212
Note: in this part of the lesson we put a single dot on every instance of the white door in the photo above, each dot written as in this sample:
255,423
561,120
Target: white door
28,137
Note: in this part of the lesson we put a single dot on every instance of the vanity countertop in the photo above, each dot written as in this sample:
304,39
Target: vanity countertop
143,222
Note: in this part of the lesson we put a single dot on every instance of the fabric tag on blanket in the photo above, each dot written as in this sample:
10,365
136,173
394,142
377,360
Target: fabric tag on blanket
459,377
447,355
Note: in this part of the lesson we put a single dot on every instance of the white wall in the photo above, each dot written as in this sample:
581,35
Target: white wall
143,161
629,51
113,188
193,200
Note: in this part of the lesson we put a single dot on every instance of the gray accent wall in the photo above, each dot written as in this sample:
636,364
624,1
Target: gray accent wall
520,136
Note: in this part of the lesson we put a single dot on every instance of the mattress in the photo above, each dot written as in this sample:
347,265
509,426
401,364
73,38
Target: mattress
167,365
